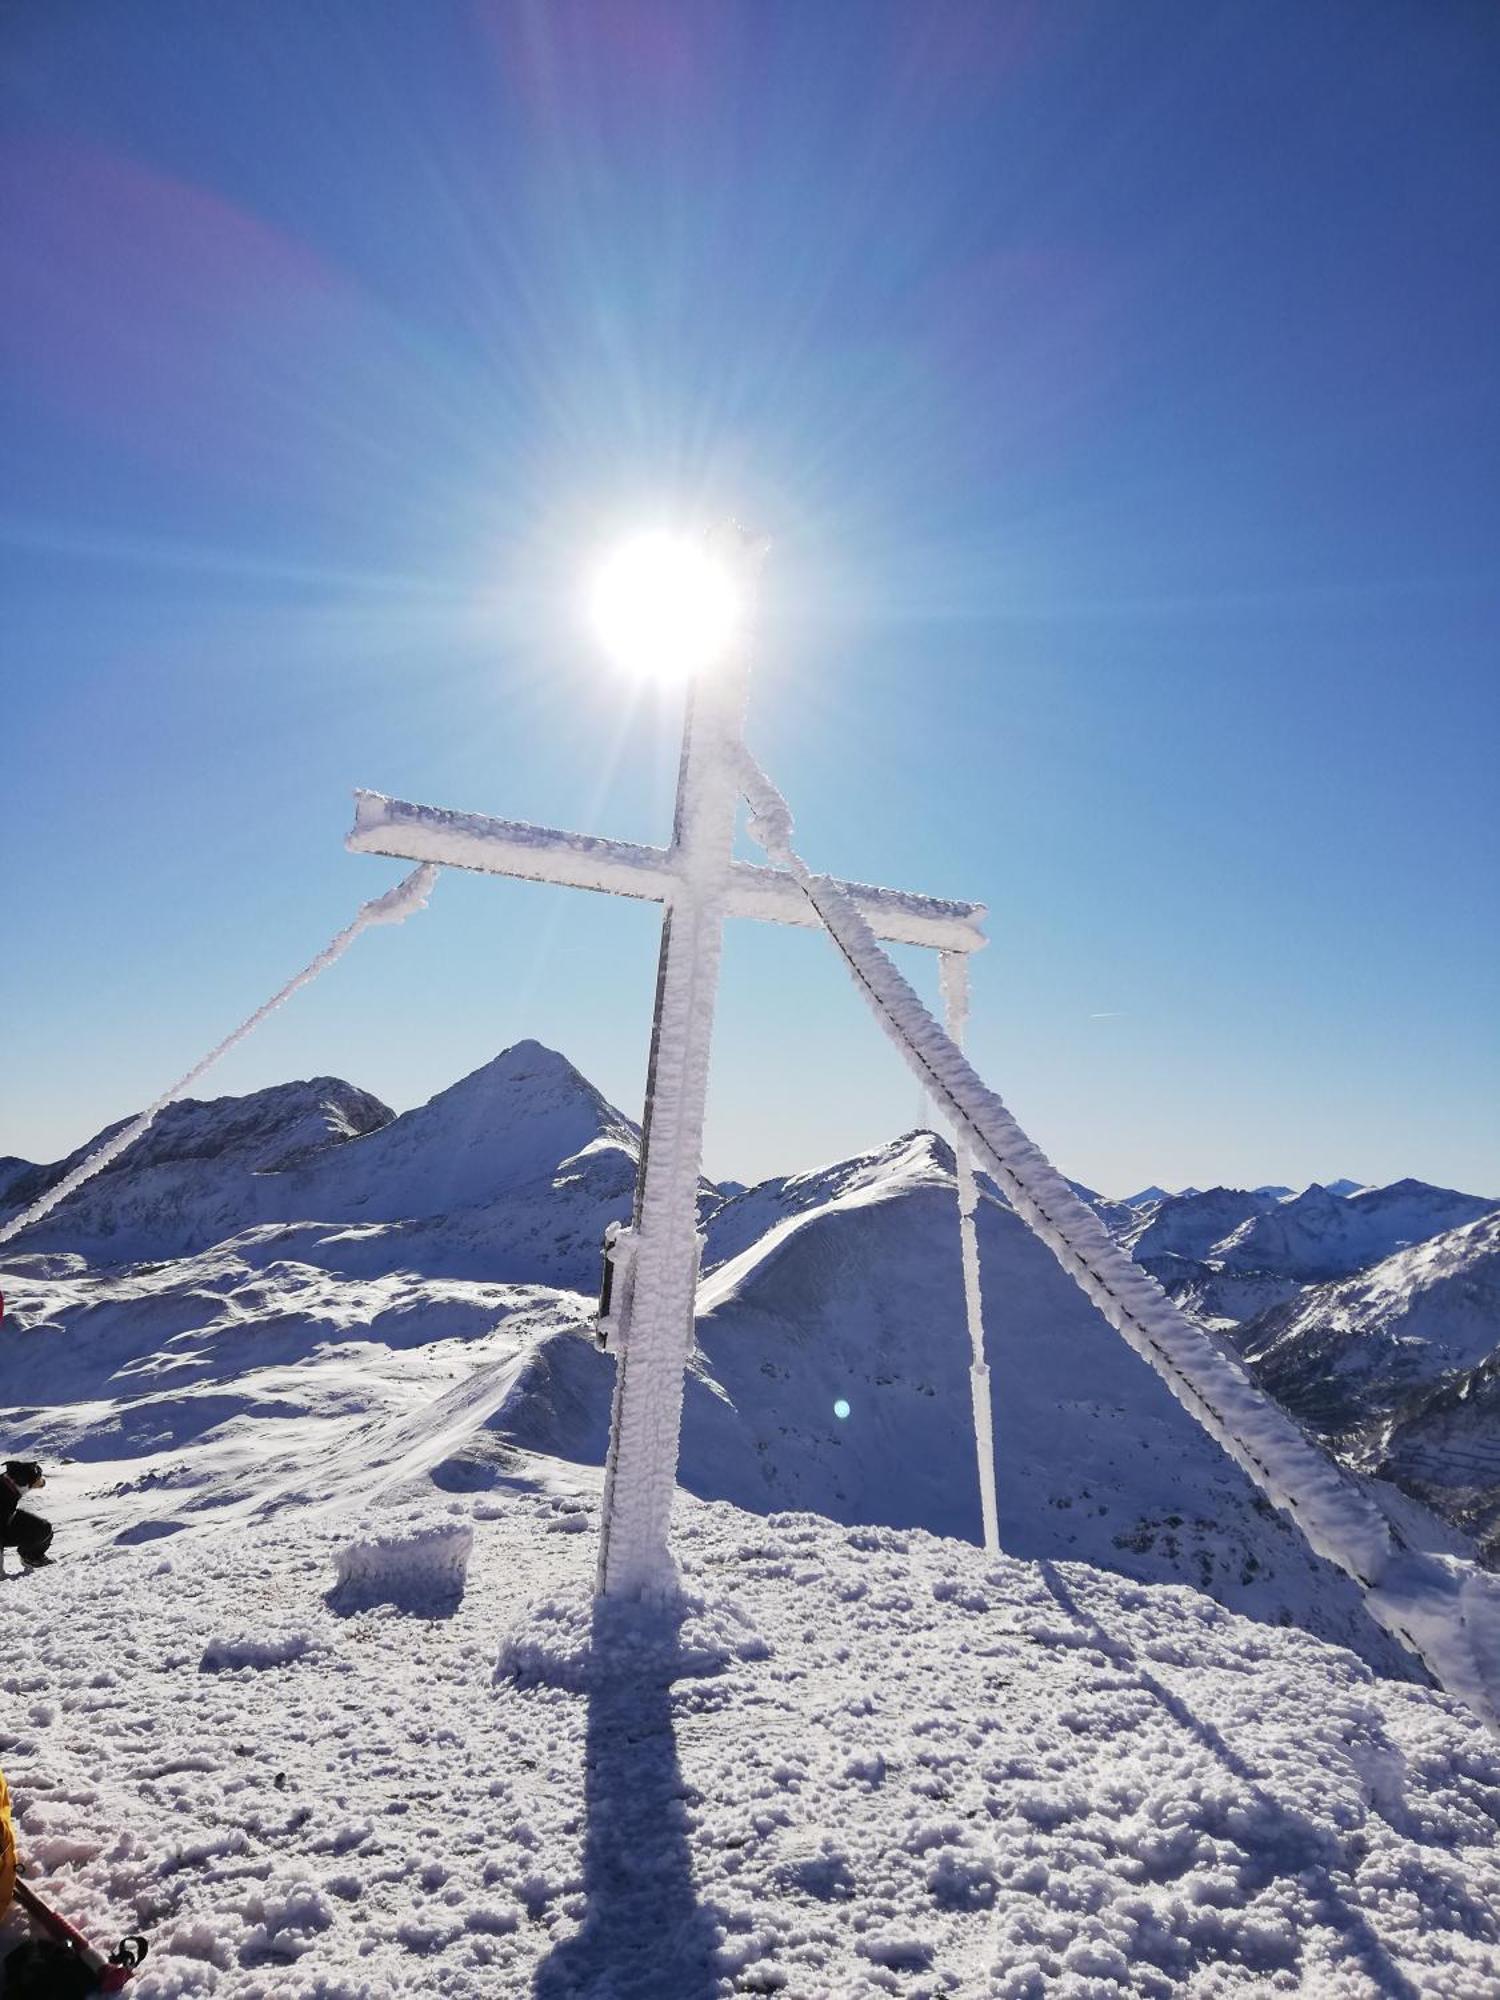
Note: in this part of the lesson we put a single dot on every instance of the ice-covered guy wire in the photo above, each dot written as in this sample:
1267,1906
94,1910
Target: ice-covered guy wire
1446,1610
393,907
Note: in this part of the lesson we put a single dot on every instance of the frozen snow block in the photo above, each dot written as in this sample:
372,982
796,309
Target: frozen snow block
275,1647
421,1570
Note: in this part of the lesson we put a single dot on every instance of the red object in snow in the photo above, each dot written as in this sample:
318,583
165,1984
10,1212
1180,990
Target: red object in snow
112,1972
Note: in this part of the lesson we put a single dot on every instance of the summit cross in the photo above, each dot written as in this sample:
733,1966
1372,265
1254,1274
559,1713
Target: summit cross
653,1264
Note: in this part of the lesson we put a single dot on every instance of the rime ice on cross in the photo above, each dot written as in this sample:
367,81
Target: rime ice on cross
655,1261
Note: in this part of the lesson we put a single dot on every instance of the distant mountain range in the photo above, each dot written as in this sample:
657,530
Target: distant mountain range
1308,1237
1398,1366
1372,1313
233,1262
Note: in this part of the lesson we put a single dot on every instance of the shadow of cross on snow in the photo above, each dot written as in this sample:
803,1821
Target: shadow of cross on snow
644,1934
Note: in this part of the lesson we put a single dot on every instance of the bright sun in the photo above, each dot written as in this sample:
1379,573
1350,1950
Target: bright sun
663,607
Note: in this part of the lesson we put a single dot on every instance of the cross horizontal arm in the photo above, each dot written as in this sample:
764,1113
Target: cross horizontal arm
622,868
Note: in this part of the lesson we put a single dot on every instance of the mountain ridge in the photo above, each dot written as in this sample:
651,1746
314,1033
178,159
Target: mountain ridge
324,1151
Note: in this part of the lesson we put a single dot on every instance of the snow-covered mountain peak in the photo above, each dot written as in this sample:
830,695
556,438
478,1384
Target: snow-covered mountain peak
915,1159
502,1131
1421,1195
1314,1203
527,1087
522,1131
528,1066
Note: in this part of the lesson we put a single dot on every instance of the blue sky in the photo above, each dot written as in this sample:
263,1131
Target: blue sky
1119,388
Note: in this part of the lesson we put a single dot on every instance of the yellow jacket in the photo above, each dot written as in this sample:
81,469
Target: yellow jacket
7,1849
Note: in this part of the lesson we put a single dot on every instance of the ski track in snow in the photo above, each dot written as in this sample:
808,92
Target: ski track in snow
870,1762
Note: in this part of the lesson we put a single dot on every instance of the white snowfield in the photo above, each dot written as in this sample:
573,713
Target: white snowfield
868,1763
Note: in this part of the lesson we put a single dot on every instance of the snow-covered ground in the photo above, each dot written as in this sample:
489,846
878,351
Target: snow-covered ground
316,1696
868,1762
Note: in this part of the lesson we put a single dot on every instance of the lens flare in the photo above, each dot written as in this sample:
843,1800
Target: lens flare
841,1409
663,608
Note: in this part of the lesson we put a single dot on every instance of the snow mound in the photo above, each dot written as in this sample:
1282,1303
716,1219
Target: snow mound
422,1569
266,1647
577,1643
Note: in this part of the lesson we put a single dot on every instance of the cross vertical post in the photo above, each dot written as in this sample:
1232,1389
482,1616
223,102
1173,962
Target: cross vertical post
954,970
656,1316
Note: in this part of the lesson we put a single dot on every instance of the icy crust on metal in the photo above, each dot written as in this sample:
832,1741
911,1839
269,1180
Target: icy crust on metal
954,972
410,894
641,1470
507,847
1445,1610
896,914
410,832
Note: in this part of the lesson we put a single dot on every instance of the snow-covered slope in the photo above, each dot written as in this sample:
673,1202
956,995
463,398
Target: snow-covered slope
514,1173
1443,1443
857,1298
509,1127
1219,1298
867,1762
